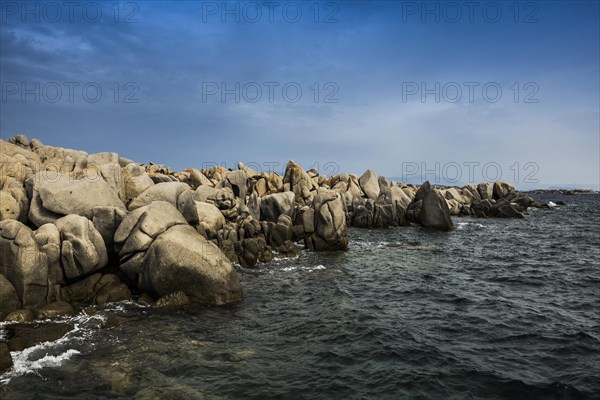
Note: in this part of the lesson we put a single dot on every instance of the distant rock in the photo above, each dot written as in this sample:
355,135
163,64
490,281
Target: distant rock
329,221
429,209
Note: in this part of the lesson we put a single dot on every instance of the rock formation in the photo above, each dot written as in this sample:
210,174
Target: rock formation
93,228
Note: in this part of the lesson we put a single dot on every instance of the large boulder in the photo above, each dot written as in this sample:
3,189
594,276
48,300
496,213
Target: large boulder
238,182
18,162
299,182
160,252
9,301
369,184
135,181
83,250
485,191
47,238
276,204
504,209
429,209
106,220
502,189
223,198
363,212
23,264
180,259
178,194
211,219
137,231
57,194
13,200
329,221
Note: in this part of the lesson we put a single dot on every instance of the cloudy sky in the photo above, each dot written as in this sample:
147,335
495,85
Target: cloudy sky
446,91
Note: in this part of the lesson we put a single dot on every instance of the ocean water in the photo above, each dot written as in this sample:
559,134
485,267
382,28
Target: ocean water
497,309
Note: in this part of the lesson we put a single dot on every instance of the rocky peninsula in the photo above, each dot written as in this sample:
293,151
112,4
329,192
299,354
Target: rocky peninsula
79,229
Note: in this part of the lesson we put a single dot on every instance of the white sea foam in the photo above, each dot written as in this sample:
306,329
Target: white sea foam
34,358
27,361
463,225
304,268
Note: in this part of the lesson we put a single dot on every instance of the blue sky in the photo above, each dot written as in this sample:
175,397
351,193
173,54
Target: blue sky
362,68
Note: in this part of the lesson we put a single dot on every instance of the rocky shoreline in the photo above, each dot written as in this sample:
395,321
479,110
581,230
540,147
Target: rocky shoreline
79,229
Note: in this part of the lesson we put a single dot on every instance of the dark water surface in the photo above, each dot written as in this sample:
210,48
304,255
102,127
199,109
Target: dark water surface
497,309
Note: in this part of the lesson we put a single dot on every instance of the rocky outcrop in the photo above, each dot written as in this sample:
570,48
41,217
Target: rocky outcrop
274,205
9,301
162,254
429,209
178,194
223,199
298,181
326,226
211,219
82,248
95,228
369,184
502,190
57,195
23,264
180,259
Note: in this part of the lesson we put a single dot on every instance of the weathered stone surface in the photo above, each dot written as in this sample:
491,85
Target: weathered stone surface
135,181
276,204
9,206
211,219
82,290
504,209
82,247
17,162
63,194
20,316
429,209
23,264
502,189
9,301
180,259
363,212
14,203
223,199
163,254
106,220
178,194
369,184
299,182
238,182
330,232
485,191
139,228
55,309
110,289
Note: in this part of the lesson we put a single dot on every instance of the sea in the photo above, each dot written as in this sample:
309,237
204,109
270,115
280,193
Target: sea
496,309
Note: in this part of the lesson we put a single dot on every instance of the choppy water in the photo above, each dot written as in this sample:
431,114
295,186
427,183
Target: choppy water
497,309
